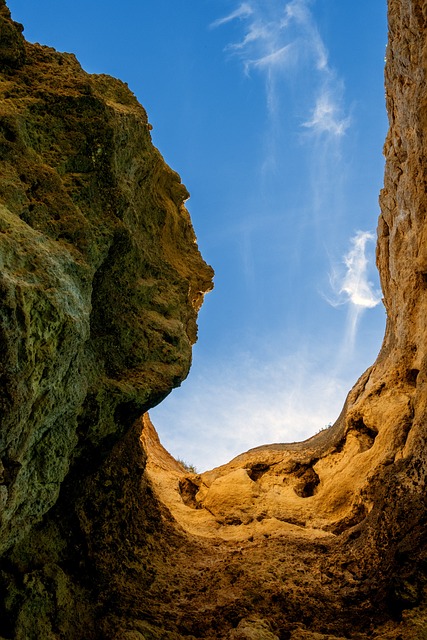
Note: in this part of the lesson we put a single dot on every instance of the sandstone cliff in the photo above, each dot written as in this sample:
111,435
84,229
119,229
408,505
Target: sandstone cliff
104,535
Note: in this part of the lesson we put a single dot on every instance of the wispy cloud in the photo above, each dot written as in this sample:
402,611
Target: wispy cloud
298,11
243,11
351,285
248,401
281,40
277,58
327,116
243,400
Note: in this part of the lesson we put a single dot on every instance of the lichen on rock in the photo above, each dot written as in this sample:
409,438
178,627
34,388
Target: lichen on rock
101,279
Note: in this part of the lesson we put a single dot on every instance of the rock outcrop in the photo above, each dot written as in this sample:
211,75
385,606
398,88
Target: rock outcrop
100,277
104,535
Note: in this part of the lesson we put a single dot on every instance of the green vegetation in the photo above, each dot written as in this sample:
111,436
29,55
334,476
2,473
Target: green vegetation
188,467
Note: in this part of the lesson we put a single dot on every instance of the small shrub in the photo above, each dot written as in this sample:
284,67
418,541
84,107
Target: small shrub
188,467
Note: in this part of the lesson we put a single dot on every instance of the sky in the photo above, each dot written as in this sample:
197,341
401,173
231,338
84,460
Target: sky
272,112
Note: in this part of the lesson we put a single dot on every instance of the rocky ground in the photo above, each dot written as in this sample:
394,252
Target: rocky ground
103,534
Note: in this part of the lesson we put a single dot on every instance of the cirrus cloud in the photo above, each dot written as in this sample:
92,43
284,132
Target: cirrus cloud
352,284
281,39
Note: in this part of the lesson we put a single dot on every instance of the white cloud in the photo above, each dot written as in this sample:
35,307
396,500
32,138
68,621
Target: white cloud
274,59
299,12
266,37
326,117
280,40
243,11
246,402
256,32
351,285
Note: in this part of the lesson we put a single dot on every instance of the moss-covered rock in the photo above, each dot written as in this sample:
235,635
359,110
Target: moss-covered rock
12,44
100,275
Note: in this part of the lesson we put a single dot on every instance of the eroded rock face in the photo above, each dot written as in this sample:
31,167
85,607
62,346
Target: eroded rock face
105,534
355,491
100,277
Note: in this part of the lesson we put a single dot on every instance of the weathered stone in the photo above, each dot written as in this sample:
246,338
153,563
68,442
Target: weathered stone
252,629
100,276
12,44
105,535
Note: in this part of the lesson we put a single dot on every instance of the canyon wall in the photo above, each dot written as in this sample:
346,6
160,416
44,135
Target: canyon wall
103,534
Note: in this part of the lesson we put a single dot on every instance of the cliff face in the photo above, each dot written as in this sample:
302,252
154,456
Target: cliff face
100,277
104,535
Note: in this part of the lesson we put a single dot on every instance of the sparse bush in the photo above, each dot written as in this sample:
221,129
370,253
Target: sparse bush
188,467
325,428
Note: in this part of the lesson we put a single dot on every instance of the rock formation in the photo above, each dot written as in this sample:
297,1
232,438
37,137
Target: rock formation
103,534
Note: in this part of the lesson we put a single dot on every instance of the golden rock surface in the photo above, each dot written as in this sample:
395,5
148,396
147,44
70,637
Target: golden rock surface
105,535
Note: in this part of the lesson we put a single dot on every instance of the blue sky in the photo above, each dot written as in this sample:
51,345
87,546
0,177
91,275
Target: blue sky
272,112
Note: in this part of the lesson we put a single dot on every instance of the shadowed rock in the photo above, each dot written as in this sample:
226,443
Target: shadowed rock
104,534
